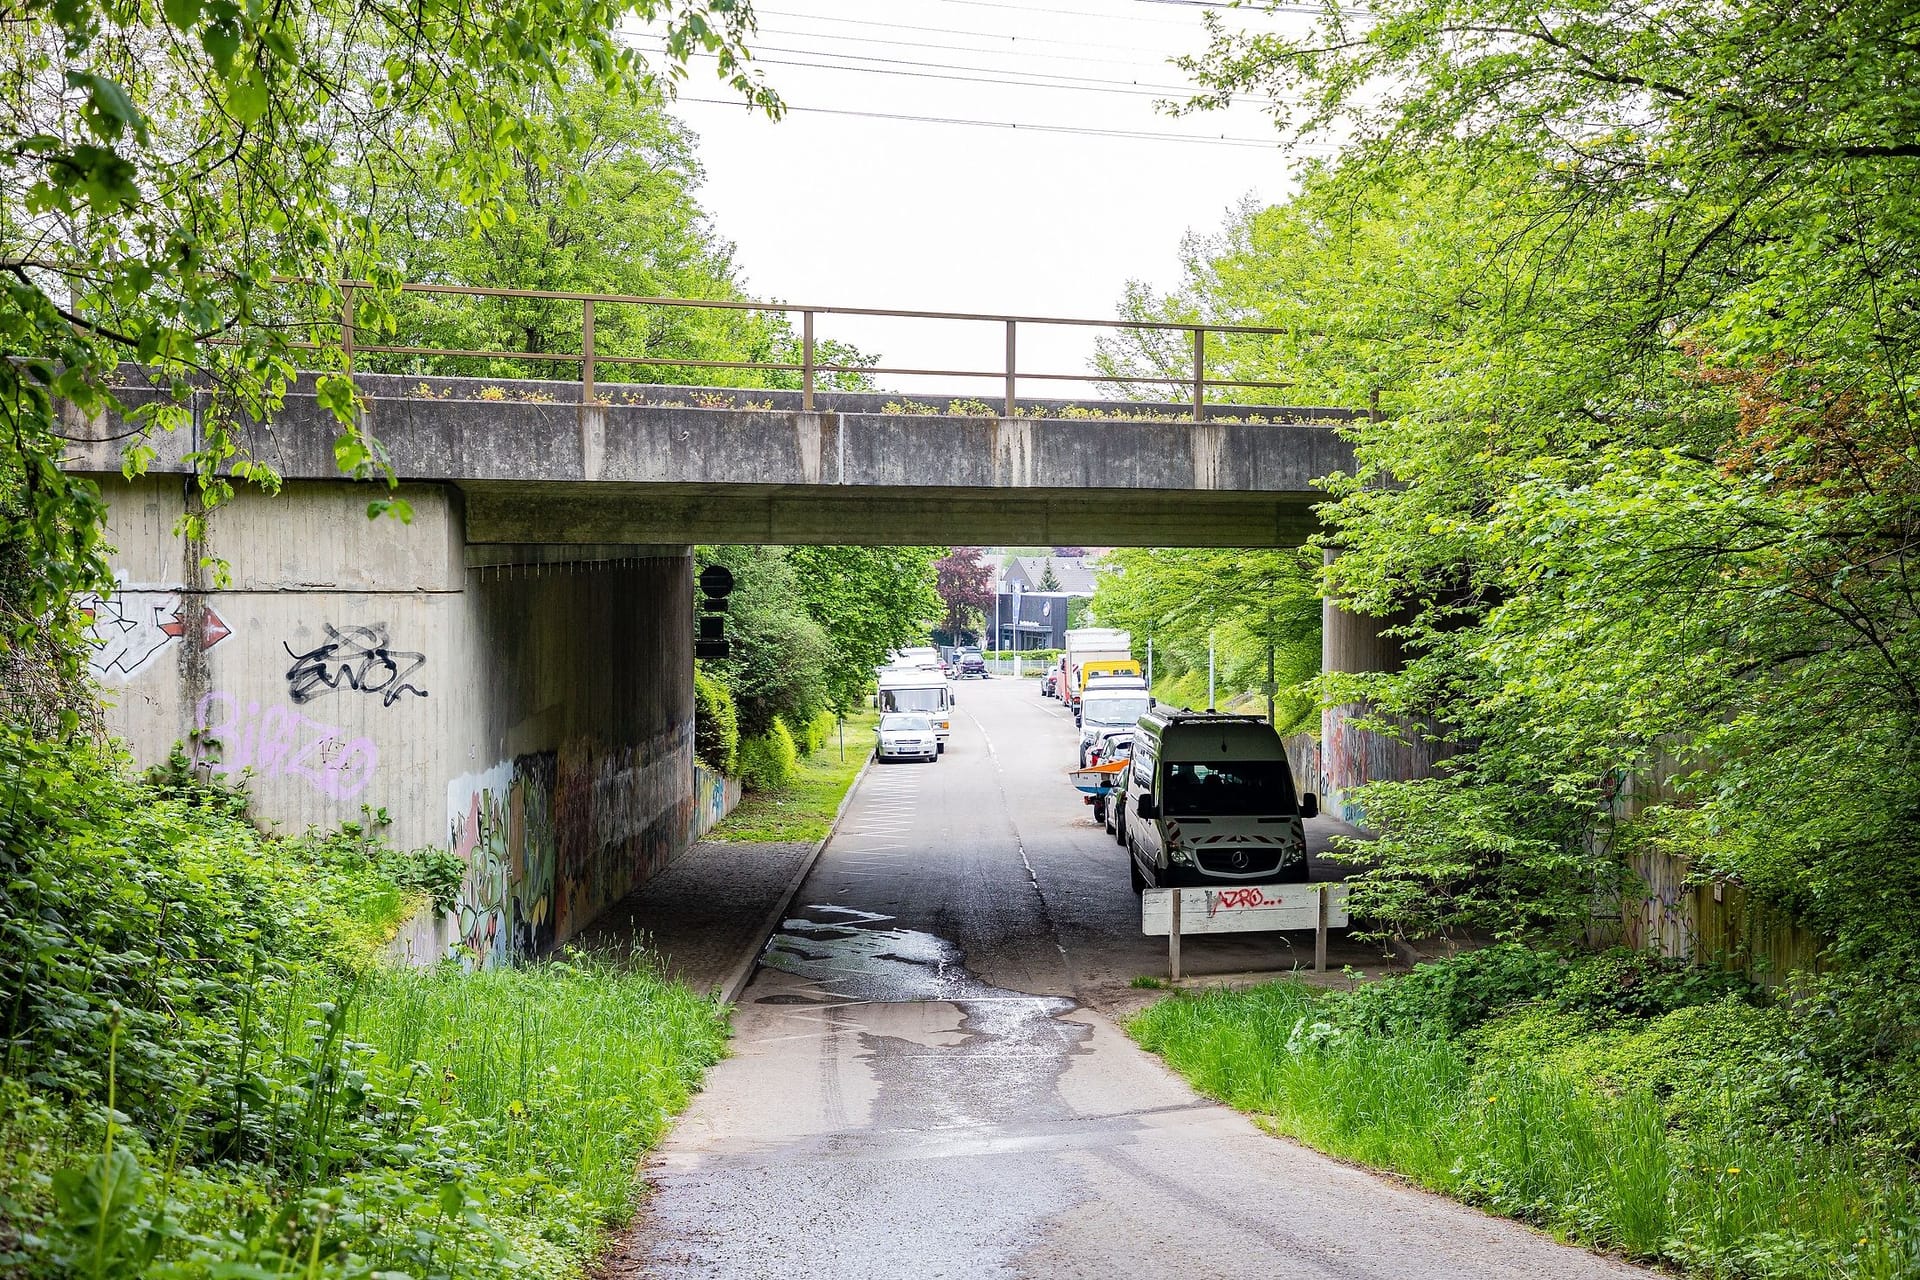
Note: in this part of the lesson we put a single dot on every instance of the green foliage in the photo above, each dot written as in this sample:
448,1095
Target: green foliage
1689,1136
810,625
767,759
816,733
716,729
183,185
207,1075
781,656
599,197
1639,487
1251,603
870,601
804,810
1446,998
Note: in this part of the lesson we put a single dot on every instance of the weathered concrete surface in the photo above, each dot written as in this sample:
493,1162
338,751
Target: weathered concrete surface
1349,756
536,718
706,915
918,1088
539,466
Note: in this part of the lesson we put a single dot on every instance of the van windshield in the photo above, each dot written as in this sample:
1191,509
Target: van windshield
1112,712
911,699
1230,788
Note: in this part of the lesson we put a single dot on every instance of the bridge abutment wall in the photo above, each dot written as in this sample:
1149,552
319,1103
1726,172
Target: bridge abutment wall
530,709
1351,756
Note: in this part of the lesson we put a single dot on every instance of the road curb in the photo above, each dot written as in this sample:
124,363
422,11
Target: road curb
742,973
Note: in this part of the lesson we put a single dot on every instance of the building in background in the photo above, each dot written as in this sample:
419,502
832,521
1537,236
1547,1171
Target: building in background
1038,597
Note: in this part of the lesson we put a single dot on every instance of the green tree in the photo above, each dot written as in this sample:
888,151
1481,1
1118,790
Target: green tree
871,601
183,185
1629,287
1261,610
783,659
616,214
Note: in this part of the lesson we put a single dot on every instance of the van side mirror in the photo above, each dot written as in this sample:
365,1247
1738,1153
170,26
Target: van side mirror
1146,807
1309,805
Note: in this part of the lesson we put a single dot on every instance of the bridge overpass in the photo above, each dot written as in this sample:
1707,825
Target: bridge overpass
509,675
534,463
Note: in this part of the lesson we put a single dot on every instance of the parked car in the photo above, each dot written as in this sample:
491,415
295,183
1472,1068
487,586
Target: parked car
1049,683
1111,705
969,664
1114,744
1210,800
905,735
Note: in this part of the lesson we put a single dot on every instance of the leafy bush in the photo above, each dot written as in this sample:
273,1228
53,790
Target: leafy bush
1446,997
206,1074
768,760
716,727
1623,983
816,733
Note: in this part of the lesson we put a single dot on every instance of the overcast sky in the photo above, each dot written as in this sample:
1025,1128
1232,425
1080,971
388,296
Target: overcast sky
835,205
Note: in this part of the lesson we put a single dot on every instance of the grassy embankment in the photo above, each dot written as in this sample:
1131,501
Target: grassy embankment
1670,1115
207,1073
804,810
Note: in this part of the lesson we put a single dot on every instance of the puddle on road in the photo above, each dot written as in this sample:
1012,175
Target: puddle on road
1012,1048
860,955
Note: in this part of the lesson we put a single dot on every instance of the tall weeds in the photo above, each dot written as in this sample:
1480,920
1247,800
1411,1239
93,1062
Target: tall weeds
1721,1196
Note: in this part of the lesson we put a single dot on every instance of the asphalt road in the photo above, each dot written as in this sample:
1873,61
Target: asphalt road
923,1084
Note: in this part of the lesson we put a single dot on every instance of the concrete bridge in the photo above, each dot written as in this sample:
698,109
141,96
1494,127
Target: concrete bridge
535,463
510,674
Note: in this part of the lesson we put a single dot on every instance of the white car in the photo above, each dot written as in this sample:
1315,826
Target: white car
906,735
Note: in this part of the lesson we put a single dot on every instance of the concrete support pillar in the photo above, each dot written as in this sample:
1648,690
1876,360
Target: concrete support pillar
1351,756
582,786
529,707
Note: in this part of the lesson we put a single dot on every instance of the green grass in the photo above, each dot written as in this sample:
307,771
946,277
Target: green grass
563,1074
1597,1165
804,811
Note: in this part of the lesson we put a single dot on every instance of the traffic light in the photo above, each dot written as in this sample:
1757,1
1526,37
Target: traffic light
710,640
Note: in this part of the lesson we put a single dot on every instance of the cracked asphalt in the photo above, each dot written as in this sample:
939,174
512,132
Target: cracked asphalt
924,1083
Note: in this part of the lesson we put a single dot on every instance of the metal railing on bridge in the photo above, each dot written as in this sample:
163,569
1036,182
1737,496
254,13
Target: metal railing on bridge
1196,382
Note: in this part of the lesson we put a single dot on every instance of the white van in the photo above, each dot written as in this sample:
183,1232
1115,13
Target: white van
1210,801
915,689
1110,702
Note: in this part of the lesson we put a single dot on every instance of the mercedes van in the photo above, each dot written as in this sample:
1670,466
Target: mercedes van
1210,801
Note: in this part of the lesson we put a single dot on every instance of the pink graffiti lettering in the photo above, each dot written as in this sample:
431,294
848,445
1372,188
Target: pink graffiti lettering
278,742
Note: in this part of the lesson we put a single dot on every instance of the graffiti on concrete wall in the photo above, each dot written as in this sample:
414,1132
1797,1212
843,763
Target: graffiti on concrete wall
129,628
232,735
359,658
552,839
501,825
714,797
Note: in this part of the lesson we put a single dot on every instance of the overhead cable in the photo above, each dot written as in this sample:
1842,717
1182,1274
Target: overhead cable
1142,135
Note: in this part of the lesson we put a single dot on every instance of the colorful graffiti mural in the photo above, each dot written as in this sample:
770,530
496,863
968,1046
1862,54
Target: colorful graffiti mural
503,829
279,742
553,839
129,628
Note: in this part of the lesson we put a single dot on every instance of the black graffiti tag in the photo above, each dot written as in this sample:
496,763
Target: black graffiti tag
358,658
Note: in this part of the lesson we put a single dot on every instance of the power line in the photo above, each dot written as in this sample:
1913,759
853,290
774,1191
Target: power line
945,31
1066,13
954,48
1069,83
1142,135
